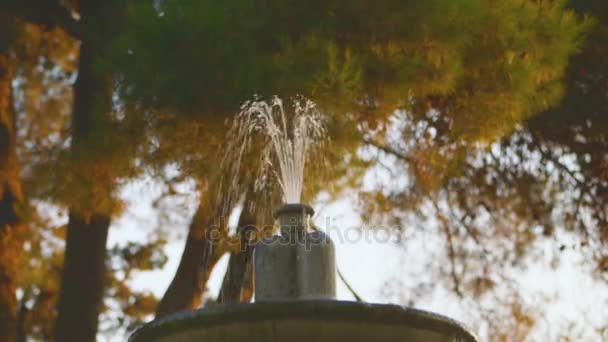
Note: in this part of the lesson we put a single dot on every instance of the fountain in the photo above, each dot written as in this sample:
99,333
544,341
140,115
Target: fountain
295,270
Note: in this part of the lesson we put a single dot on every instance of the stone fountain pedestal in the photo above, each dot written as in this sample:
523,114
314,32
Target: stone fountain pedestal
295,286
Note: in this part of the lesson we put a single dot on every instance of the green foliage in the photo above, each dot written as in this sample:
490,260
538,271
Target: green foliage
498,60
515,68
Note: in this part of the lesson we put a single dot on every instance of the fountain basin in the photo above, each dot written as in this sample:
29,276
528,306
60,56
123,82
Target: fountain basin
324,320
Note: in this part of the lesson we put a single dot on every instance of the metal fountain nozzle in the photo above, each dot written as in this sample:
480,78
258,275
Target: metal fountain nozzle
298,264
294,219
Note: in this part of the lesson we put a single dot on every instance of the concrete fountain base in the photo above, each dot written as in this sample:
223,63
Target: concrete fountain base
325,320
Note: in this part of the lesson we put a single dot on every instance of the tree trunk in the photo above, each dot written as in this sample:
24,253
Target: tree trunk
83,277
82,282
11,199
237,286
198,259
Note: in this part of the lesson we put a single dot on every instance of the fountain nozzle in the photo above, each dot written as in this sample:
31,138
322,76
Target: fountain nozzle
294,219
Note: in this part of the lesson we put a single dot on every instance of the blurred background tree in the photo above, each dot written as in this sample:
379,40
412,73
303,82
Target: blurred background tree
106,92
505,205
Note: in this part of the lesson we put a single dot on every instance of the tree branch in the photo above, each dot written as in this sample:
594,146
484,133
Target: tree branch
584,187
387,149
451,251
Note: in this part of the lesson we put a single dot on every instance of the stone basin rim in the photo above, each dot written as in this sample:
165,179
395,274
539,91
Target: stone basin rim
321,310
